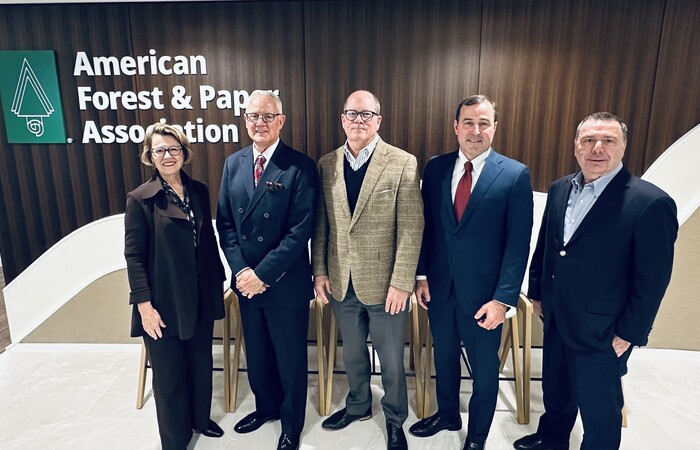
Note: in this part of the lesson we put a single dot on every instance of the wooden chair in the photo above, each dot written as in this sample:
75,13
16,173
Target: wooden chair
525,310
510,342
239,345
143,366
328,351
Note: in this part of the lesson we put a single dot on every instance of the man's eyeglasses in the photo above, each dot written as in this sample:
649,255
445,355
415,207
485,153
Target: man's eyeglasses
366,116
254,117
160,151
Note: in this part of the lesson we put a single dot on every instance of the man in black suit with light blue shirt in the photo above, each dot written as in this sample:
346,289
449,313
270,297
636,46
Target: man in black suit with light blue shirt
600,269
265,219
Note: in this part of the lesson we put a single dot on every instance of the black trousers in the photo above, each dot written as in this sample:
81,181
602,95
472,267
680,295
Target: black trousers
574,380
451,327
277,359
182,384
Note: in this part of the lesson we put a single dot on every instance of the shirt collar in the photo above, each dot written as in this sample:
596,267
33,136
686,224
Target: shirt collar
364,154
267,153
598,184
477,163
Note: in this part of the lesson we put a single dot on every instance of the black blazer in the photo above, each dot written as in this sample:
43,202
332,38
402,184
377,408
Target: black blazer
611,276
163,266
268,227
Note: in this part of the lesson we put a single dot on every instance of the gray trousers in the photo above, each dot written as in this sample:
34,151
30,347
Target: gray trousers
356,321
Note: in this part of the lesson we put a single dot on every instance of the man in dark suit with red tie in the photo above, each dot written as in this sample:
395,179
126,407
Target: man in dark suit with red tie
600,269
478,221
265,219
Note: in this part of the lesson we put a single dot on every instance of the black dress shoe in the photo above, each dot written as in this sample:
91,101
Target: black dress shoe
288,442
213,430
253,421
342,419
469,445
539,442
433,424
396,440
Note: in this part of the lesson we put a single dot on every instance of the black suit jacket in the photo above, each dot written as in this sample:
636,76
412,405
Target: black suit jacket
162,264
611,276
268,227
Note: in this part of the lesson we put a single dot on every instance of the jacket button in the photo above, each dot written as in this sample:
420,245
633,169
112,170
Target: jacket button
266,215
240,210
260,239
562,253
243,237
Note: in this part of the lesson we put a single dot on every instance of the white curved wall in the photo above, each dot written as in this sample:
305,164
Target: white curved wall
65,269
676,172
62,271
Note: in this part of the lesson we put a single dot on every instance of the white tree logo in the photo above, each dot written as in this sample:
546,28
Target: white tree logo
32,104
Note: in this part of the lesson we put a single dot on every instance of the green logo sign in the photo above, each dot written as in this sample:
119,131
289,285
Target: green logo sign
31,99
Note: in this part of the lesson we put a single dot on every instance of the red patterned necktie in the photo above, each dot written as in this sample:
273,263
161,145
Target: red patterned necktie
259,167
464,189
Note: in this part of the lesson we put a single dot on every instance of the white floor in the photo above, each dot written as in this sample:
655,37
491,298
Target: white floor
83,397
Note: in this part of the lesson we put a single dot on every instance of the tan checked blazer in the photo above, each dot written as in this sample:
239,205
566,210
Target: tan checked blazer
380,243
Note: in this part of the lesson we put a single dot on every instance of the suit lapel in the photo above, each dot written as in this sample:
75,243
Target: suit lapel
272,171
491,170
448,210
165,207
560,201
247,162
609,200
340,191
196,205
374,170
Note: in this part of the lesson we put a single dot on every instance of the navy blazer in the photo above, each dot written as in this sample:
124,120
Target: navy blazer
163,266
485,254
612,274
268,227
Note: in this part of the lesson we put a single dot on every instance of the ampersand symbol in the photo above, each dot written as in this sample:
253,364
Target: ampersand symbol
180,100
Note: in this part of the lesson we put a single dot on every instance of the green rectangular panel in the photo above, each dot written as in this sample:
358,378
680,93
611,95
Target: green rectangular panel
31,98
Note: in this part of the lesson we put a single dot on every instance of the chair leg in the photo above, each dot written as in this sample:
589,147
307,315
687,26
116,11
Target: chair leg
411,339
140,389
624,409
320,356
415,351
517,369
237,347
506,342
332,347
427,369
527,357
227,350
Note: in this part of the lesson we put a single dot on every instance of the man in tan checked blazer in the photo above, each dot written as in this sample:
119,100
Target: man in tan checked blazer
365,249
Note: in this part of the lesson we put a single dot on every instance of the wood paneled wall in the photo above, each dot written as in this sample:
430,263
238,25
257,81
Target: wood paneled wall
547,63
419,58
551,63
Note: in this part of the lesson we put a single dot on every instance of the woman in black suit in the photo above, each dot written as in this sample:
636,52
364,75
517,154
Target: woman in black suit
175,276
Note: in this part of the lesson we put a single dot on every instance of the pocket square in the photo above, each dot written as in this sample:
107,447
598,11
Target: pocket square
274,186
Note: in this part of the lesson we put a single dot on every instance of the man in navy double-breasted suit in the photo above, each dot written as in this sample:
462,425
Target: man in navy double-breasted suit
601,266
478,221
265,219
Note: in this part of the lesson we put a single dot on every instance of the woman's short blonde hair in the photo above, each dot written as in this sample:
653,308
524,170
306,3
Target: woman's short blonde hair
165,130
